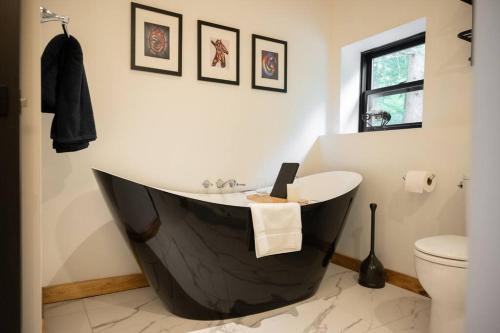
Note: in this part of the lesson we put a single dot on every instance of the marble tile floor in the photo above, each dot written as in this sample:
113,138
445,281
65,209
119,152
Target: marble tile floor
340,305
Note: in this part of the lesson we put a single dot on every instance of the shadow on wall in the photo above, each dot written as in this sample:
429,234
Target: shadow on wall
412,203
451,215
57,180
82,241
313,161
92,258
355,227
454,212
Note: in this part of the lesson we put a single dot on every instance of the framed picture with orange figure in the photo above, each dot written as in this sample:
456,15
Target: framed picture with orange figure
218,53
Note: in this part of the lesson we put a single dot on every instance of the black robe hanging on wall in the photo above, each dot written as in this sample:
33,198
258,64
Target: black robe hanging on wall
65,93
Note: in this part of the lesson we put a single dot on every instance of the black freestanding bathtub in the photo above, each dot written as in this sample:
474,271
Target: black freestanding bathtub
197,250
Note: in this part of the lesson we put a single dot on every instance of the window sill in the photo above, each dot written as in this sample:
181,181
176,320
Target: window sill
392,128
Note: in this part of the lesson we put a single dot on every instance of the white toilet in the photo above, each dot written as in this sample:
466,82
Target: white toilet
441,263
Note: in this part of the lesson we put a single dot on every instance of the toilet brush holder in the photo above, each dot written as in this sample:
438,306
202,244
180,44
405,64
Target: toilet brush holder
371,271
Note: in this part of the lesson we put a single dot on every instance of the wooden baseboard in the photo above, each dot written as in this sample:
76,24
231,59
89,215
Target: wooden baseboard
398,279
77,290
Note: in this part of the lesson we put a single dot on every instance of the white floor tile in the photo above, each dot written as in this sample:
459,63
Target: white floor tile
227,328
340,305
63,308
69,323
130,298
416,323
106,318
377,306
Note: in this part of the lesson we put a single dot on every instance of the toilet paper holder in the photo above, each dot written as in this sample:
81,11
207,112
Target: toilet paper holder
461,184
429,180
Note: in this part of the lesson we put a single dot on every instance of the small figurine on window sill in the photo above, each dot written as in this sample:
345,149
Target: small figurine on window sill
383,116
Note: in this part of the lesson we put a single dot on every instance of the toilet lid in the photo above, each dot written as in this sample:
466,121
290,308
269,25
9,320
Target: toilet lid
452,247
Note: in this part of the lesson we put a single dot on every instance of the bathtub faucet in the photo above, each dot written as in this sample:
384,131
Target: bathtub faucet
231,183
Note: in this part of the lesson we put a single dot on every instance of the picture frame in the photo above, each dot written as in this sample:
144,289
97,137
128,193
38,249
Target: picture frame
269,64
218,53
156,40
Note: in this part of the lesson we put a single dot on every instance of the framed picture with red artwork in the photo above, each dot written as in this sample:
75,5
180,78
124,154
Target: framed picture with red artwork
156,40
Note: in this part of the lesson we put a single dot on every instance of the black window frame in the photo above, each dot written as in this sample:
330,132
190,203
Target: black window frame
366,81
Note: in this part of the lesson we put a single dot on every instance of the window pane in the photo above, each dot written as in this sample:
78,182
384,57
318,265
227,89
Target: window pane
402,66
404,108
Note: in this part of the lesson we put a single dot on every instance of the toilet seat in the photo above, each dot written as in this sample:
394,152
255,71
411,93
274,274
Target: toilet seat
447,250
442,261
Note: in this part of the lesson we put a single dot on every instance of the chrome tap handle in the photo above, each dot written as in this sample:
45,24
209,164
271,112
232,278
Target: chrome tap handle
231,183
220,183
206,183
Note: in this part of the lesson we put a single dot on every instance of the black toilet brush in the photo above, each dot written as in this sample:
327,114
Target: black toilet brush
371,271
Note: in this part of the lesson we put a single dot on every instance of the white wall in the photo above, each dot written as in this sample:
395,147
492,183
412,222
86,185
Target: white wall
441,146
31,168
484,227
175,132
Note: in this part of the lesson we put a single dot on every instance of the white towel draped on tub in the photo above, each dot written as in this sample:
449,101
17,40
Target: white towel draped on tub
277,228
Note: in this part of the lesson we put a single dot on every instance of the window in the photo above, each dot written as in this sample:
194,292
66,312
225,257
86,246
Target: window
392,85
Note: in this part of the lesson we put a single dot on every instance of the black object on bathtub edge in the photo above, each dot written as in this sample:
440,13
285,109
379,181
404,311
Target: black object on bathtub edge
285,176
371,271
196,255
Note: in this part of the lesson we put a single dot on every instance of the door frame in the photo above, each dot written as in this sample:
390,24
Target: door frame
10,200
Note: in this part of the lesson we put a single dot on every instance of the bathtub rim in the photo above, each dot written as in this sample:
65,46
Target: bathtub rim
239,199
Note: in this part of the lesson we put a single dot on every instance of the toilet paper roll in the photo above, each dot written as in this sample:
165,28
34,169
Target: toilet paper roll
417,181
